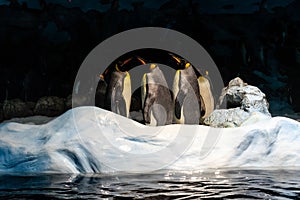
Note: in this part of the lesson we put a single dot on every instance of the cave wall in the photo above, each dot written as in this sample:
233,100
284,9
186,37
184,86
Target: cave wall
42,49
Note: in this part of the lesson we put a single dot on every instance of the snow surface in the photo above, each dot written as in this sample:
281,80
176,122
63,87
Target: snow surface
92,140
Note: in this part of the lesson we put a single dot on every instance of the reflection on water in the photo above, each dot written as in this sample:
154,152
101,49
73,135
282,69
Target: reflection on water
251,184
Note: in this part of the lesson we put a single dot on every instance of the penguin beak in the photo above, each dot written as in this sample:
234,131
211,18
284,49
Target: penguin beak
105,72
126,61
101,76
177,59
141,60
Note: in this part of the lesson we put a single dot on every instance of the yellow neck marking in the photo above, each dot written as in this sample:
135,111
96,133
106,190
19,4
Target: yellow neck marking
152,66
187,65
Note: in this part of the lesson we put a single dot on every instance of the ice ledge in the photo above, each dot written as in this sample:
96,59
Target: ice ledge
92,140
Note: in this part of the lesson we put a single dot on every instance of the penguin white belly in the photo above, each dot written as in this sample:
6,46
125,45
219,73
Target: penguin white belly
186,97
127,92
206,94
153,121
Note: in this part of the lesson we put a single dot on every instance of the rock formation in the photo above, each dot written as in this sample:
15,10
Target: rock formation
16,108
50,106
240,103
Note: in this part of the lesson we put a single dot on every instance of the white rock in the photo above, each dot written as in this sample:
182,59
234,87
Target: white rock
241,100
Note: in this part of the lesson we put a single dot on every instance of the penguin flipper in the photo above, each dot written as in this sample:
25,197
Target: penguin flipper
122,107
202,109
116,101
179,100
100,94
147,108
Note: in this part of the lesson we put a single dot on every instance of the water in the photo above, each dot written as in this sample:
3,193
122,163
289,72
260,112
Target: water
209,184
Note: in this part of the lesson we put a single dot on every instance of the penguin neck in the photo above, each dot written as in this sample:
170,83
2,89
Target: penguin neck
156,76
188,72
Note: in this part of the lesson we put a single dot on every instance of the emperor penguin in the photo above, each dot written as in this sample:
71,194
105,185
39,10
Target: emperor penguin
187,99
207,98
118,93
157,104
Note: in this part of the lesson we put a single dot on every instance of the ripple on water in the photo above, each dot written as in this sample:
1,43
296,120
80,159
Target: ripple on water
241,184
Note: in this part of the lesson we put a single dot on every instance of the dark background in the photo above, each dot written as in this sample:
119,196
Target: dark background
43,43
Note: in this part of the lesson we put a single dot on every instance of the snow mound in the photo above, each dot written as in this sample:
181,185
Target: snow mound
93,140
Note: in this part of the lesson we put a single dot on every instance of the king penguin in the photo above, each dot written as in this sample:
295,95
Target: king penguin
157,102
187,99
118,93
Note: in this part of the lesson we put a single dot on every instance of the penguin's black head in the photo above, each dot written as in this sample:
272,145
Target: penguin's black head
180,62
121,66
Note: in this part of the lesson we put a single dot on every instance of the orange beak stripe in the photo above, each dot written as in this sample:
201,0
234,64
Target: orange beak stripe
126,61
142,61
177,59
